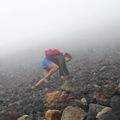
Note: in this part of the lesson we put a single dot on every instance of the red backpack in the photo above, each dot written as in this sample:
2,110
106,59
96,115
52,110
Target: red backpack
51,52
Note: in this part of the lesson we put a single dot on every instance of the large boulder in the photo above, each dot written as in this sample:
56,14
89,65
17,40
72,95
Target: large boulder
70,86
24,117
93,110
52,115
104,110
52,97
73,113
108,116
115,103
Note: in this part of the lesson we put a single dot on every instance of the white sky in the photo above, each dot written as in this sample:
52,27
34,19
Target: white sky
25,23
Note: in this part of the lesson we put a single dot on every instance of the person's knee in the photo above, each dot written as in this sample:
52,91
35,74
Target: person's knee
56,67
53,67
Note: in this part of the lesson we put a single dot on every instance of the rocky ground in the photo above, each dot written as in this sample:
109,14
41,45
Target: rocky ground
92,94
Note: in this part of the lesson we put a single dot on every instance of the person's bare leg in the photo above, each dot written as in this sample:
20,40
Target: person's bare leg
40,82
52,68
45,72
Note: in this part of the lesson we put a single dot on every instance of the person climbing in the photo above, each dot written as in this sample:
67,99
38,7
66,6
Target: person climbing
54,60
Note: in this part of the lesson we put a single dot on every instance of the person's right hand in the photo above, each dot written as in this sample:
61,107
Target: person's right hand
66,77
33,87
63,78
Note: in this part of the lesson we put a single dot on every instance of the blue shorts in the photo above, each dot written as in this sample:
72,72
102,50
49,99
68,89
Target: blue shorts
45,63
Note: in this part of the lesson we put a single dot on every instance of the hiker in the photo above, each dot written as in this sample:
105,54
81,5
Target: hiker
54,60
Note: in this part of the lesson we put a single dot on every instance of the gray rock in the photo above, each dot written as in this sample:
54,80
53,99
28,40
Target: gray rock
115,103
93,110
108,116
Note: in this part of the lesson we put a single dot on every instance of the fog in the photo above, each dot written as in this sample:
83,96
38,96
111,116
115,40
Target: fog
29,27
67,25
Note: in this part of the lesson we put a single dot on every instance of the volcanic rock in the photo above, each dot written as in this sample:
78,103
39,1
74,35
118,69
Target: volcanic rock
73,113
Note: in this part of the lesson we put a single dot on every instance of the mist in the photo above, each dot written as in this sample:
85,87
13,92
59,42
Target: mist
27,25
